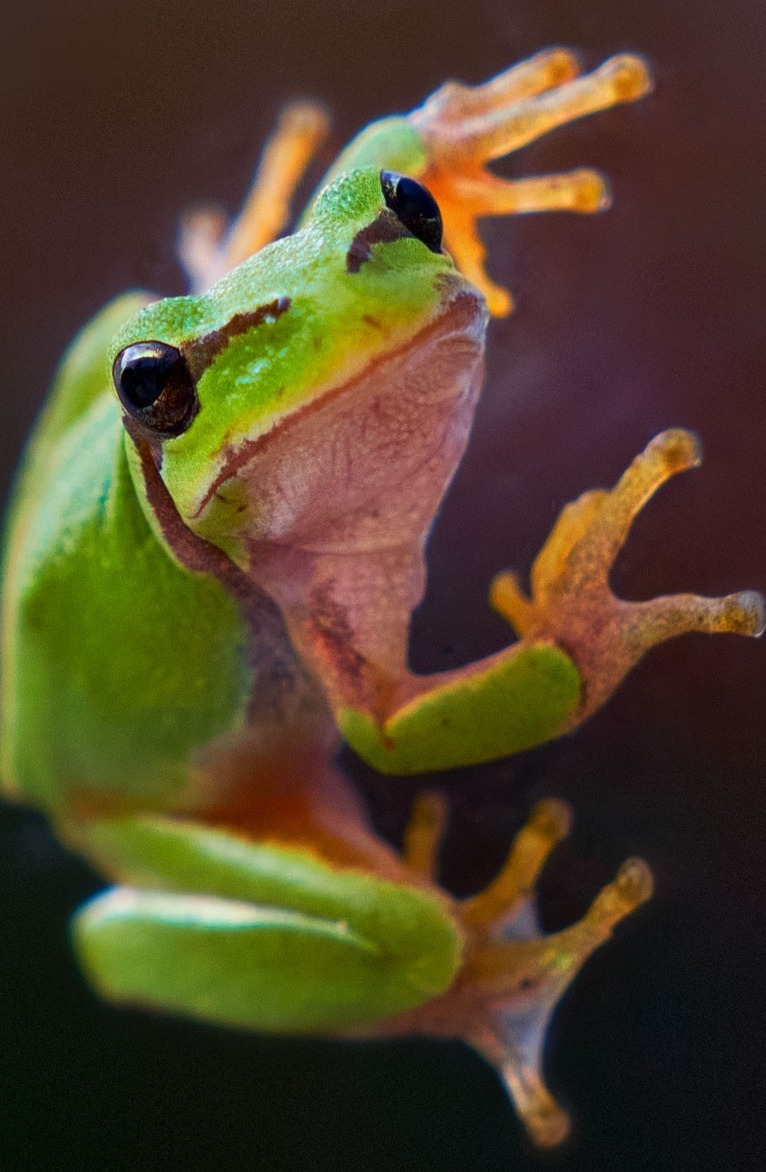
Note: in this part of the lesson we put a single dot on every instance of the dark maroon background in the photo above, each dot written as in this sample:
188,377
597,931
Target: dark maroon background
119,115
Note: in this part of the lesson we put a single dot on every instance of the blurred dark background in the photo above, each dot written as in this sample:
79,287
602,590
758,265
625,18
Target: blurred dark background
117,116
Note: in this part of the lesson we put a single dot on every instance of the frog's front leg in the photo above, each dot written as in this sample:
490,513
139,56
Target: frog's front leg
447,141
571,601
577,641
465,127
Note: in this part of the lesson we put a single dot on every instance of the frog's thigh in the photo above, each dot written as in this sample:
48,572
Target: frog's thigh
233,963
331,949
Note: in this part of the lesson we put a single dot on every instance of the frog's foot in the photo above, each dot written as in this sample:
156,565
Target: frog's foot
513,977
571,602
464,127
206,249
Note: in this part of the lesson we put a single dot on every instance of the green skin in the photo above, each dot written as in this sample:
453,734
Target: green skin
171,625
137,652
204,595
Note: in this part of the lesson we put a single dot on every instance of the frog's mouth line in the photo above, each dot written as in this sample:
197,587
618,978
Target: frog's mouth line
465,312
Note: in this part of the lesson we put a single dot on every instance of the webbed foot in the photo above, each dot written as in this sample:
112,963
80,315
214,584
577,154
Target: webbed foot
464,127
572,604
513,976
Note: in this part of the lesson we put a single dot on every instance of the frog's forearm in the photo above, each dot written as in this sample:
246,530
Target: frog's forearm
578,640
516,699
391,143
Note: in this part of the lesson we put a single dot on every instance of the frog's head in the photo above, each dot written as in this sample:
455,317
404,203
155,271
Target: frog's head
330,361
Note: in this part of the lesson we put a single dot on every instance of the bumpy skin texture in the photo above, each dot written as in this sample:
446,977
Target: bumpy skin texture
191,617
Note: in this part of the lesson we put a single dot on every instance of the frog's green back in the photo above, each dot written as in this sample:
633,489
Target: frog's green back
117,662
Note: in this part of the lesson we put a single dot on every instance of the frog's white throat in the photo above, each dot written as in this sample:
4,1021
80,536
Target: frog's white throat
342,495
366,464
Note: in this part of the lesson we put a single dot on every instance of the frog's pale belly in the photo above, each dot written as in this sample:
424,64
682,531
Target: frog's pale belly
343,496
198,604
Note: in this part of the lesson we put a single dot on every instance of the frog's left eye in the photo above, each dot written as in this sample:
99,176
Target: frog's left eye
155,387
415,207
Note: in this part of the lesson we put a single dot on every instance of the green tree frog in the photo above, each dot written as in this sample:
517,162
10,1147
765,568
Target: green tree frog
214,550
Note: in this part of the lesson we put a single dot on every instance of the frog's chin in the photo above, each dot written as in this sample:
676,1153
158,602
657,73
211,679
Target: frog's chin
365,465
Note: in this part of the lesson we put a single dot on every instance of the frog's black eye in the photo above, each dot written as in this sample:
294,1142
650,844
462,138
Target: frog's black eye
155,387
415,207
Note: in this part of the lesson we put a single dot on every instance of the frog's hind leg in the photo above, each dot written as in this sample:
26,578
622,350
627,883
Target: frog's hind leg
501,902
423,835
206,249
571,601
209,924
465,127
524,979
513,976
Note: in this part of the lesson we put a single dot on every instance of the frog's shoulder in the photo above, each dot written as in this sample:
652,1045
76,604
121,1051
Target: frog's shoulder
110,645
81,379
82,375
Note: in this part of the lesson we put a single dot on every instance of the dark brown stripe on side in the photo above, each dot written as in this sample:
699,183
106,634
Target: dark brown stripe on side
467,303
284,692
200,353
384,229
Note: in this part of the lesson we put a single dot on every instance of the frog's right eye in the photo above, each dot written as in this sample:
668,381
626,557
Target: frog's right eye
414,207
155,387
